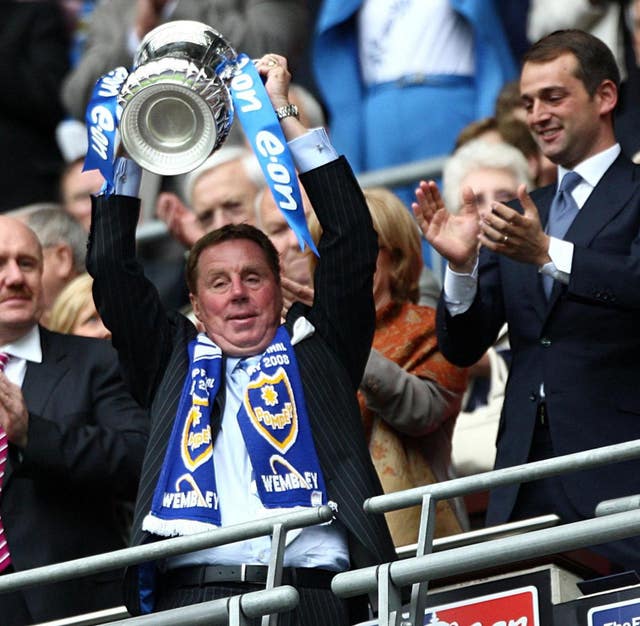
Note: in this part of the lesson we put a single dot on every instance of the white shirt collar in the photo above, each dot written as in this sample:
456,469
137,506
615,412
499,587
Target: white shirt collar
27,347
593,168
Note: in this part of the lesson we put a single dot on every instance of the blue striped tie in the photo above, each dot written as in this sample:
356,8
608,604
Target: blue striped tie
561,215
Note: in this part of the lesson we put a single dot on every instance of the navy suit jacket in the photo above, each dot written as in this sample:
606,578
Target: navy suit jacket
583,343
153,349
86,442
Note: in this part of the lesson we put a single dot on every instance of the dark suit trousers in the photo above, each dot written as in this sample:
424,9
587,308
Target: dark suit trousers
547,495
318,607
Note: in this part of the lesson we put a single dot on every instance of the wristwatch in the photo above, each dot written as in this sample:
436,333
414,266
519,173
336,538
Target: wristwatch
288,110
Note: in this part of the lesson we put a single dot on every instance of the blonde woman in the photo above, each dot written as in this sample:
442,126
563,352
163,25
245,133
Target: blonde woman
410,395
74,311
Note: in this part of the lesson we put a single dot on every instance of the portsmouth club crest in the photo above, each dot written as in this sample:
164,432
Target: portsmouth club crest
271,407
196,446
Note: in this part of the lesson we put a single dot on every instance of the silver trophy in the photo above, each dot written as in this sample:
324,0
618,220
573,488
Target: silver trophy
176,108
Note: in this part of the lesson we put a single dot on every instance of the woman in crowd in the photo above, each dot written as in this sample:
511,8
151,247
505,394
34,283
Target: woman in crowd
74,311
410,394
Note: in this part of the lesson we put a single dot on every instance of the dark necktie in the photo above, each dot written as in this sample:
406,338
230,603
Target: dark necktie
561,214
5,559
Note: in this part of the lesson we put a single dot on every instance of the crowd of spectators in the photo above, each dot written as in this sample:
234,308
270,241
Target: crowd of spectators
392,82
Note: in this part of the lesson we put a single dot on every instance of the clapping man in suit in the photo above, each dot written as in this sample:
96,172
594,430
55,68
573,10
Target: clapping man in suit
562,268
259,386
75,438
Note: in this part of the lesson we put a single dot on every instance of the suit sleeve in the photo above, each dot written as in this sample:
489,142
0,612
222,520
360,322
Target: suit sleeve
98,443
127,301
343,310
607,279
464,338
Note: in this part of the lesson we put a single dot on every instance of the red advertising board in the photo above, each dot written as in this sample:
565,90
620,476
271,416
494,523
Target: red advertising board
517,607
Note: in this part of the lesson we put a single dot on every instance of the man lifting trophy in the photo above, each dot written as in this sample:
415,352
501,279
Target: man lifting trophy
252,416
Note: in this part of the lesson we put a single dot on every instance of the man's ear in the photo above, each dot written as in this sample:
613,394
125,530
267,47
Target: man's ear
608,94
63,258
195,305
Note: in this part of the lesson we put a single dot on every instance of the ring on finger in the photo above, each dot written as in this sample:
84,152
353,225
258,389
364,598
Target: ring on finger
505,239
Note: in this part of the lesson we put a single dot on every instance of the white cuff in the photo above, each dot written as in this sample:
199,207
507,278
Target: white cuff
126,177
561,253
312,150
460,290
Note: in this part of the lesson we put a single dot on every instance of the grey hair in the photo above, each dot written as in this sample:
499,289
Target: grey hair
53,225
477,154
223,155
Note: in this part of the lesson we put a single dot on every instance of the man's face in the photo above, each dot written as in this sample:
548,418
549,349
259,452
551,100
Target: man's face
77,187
224,195
294,262
568,124
490,185
20,279
237,300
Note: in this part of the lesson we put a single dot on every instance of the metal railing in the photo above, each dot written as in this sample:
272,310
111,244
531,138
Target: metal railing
425,566
235,610
388,578
620,519
277,526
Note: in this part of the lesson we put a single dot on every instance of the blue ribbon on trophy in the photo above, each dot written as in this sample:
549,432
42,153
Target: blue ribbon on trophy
102,117
262,127
231,81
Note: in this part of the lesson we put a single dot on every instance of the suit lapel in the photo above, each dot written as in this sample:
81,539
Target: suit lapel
606,200
41,379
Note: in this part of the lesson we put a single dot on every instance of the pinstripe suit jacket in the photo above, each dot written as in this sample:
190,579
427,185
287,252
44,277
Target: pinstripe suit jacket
153,349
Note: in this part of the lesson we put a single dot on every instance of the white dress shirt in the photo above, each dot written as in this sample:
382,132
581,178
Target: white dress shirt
25,349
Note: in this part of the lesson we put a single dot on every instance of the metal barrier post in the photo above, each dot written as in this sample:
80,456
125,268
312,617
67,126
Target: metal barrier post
389,598
236,616
274,572
425,546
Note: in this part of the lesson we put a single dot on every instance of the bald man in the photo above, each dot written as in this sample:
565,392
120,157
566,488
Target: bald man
75,437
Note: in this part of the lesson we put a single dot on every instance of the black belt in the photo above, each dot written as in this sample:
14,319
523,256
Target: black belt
200,575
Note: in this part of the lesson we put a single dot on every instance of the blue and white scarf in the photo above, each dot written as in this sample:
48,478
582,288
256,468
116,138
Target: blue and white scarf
274,424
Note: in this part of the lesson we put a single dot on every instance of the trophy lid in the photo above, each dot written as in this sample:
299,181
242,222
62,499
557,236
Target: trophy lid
185,39
176,108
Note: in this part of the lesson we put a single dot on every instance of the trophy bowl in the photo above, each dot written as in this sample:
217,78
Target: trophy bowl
176,106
